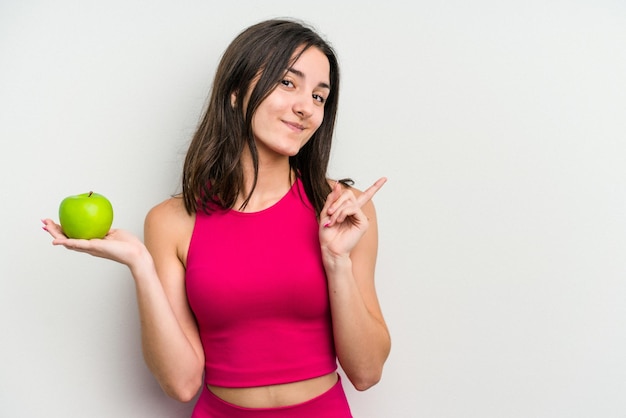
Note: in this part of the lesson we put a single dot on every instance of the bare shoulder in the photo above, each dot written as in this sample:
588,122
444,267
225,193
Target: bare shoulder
170,210
169,223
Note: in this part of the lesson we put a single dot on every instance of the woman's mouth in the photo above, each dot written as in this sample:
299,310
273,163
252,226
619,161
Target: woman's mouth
294,126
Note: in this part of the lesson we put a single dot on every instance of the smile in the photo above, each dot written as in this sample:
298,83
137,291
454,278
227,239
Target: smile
294,126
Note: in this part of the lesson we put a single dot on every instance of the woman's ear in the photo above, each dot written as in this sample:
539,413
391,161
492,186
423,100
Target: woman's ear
233,99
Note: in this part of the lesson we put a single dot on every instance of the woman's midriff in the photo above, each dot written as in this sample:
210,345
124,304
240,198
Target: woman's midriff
274,396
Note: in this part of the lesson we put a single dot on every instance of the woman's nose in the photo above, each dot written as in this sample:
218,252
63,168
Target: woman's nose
303,105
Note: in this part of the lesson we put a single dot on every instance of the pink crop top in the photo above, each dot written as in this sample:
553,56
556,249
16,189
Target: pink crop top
257,286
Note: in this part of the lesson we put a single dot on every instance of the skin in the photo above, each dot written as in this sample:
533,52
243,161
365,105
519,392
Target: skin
282,124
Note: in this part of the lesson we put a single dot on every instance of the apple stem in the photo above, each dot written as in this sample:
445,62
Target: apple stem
90,193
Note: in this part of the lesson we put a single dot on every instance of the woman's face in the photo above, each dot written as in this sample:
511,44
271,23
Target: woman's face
290,115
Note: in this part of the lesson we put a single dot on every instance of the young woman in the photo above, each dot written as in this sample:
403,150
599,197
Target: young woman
256,279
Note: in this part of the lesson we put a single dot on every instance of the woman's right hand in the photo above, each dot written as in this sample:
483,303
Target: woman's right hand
118,245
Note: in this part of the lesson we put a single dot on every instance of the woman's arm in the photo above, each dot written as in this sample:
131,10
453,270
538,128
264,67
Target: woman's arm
349,240
170,339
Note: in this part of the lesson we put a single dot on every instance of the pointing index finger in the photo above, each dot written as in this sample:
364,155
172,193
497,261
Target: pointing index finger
367,195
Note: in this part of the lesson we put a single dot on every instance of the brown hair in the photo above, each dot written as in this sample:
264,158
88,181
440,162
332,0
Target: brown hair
213,170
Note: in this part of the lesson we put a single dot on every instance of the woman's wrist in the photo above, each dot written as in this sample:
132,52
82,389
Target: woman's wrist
142,263
334,263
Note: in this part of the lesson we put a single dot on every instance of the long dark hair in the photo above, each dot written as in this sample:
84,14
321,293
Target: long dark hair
213,171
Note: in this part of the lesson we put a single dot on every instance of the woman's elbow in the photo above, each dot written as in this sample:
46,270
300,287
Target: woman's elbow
182,392
364,380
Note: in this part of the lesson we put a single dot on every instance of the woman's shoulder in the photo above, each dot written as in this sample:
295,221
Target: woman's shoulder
168,228
170,214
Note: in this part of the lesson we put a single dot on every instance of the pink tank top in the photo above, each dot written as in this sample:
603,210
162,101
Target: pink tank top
256,284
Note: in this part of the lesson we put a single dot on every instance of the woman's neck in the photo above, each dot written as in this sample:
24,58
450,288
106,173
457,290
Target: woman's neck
274,180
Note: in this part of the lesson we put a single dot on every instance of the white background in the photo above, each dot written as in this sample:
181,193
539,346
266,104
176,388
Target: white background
501,127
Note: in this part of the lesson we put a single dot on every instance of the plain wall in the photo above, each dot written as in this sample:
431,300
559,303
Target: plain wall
501,126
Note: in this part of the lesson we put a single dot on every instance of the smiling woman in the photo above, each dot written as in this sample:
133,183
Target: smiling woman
256,279
288,117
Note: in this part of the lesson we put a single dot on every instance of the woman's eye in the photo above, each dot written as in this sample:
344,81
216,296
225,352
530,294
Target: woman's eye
319,98
286,83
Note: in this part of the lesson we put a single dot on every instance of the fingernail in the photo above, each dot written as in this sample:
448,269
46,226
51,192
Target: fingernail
44,228
327,224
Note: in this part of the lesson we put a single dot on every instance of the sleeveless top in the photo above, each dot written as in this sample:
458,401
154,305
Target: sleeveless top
257,287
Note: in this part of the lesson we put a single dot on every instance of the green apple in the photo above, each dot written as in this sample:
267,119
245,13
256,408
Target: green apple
86,216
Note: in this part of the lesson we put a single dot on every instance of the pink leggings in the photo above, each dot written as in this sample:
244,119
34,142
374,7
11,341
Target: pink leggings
330,404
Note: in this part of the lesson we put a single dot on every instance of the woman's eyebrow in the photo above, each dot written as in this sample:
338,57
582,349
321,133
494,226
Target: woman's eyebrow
300,74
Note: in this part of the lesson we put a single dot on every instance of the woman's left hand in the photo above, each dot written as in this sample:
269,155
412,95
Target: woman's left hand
342,221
